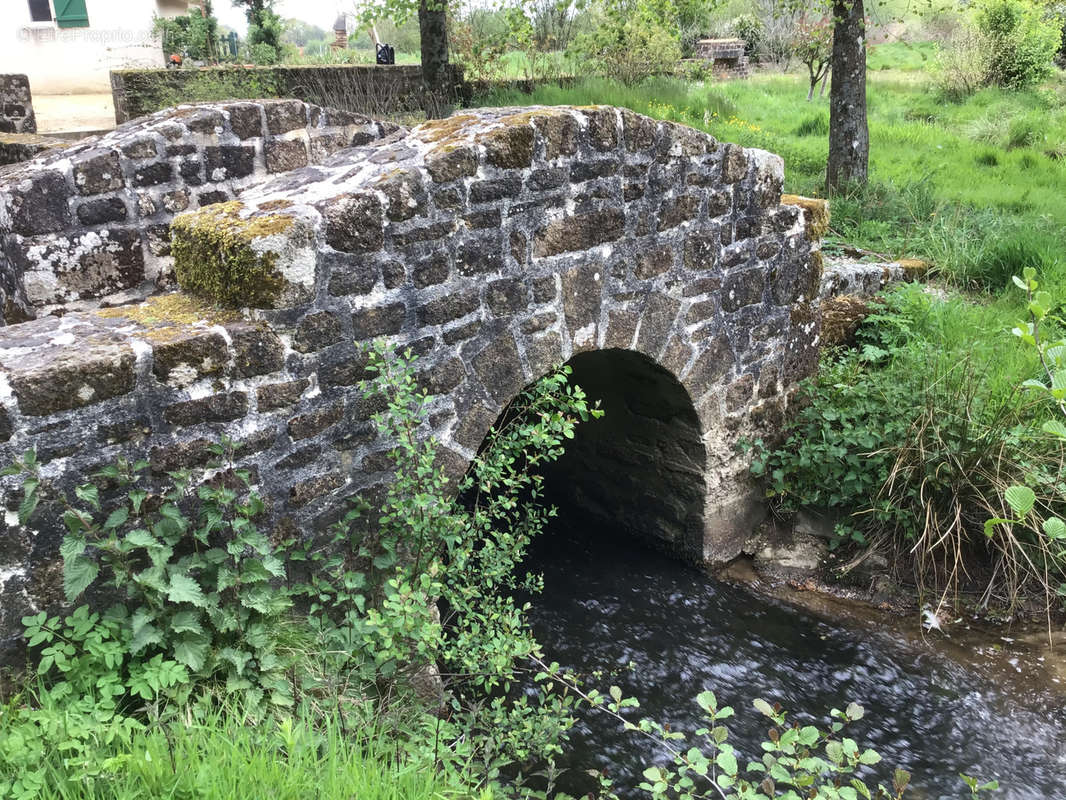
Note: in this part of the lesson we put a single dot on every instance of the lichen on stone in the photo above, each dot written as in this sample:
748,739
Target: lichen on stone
214,255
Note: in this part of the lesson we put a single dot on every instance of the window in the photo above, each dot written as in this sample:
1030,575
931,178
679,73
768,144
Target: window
71,14
40,10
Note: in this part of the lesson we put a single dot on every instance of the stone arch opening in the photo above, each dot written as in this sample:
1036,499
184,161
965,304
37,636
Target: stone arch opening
640,468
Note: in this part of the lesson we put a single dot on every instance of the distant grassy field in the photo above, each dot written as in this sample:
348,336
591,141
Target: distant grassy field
978,187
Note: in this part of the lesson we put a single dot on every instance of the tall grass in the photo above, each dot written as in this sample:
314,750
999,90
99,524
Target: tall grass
216,754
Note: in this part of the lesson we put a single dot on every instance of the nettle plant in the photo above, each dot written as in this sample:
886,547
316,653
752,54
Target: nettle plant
197,583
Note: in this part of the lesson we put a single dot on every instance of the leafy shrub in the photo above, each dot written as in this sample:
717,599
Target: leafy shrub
262,54
963,64
1022,43
751,29
628,48
911,440
193,33
416,598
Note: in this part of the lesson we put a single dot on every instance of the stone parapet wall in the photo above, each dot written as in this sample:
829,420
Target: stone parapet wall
16,147
85,222
366,89
495,245
16,105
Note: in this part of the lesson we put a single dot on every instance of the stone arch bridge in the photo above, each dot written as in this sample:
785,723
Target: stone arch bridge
497,244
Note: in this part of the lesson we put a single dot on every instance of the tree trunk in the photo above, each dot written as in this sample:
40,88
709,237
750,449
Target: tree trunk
433,32
849,136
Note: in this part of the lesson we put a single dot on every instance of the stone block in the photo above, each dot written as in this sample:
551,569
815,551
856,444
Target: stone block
96,172
447,308
315,331
499,368
283,116
509,147
384,320
188,355
354,223
245,119
228,162
257,350
223,407
272,396
451,164
102,210
55,378
42,206
579,232
304,426
282,156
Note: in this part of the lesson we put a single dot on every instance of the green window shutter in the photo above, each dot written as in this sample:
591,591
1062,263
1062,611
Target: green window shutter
71,14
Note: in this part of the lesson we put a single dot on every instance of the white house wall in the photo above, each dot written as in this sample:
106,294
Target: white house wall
78,60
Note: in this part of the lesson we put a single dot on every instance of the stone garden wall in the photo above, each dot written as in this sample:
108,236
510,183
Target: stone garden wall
16,105
496,245
92,220
366,89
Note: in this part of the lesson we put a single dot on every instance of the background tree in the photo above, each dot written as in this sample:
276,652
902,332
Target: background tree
849,134
432,29
814,48
299,33
264,30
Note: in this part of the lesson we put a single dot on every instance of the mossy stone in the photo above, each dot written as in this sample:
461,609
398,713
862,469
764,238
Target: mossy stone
214,255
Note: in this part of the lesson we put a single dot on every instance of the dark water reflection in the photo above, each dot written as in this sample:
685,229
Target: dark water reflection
609,603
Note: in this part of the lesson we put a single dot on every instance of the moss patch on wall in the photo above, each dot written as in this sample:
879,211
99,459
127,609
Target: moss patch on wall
214,256
173,310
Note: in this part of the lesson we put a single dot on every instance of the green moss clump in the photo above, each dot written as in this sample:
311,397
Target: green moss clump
214,258
168,316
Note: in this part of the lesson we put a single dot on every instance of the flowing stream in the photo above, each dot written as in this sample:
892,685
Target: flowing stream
663,632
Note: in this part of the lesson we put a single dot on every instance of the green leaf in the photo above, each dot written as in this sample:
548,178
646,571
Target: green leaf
186,621
1020,498
707,701
869,757
117,518
78,574
764,708
1055,428
191,650
990,525
142,538
184,589
1055,528
727,762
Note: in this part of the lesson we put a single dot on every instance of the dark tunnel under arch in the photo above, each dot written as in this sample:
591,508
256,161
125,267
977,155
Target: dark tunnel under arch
639,469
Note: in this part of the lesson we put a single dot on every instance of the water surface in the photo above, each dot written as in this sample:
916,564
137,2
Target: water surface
664,632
